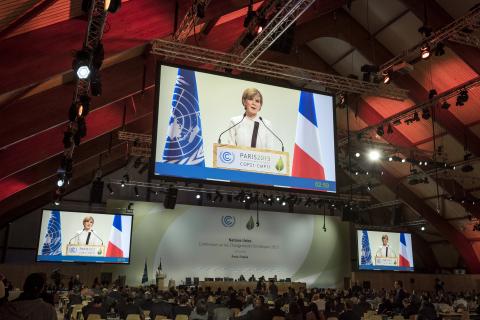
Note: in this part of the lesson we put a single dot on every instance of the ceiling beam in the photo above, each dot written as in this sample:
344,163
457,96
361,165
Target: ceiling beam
26,16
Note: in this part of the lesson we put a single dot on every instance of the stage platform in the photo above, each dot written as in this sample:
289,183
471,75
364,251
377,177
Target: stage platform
237,285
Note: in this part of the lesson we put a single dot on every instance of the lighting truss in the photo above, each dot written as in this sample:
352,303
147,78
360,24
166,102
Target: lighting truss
452,31
134,137
386,204
96,25
189,21
418,107
316,80
282,20
345,198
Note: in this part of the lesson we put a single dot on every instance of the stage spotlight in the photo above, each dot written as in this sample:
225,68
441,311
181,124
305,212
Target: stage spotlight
462,98
422,228
425,51
277,198
57,201
432,93
403,160
387,77
357,154
60,181
416,117
198,196
445,105
374,155
389,129
81,64
426,114
96,84
110,189
137,194
370,187
380,131
390,159
112,5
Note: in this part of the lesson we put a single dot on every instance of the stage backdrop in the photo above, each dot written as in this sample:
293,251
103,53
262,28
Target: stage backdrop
193,241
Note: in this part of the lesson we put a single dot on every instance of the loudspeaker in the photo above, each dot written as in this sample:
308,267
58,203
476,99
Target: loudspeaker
96,192
170,198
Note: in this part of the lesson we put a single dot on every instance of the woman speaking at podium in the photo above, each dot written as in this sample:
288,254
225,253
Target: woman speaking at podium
250,129
86,236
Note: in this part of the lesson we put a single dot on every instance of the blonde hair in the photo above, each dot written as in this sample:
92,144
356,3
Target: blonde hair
249,93
88,218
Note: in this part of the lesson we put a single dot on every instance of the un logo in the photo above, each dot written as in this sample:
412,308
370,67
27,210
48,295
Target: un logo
228,221
227,157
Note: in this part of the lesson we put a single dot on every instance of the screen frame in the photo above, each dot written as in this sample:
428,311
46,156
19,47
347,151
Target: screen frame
84,262
234,184
356,266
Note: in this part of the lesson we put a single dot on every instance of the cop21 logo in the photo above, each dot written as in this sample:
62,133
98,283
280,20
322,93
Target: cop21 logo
227,157
228,221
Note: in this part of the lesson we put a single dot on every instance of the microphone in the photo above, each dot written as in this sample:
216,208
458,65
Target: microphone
76,235
272,133
96,235
236,124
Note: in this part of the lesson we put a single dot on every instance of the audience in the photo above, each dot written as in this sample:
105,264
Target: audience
207,304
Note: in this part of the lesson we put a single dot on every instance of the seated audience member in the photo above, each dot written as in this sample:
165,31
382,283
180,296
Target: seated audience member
314,313
30,305
234,302
427,310
249,305
130,308
361,307
348,313
95,307
221,311
409,309
161,308
200,311
385,306
259,312
294,312
182,307
277,310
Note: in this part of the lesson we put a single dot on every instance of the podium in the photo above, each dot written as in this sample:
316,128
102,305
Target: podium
384,261
251,159
85,250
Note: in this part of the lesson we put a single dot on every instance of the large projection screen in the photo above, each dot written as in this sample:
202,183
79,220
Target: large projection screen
381,250
194,108
84,237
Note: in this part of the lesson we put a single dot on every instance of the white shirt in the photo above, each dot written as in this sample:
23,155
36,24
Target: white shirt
382,252
81,238
241,134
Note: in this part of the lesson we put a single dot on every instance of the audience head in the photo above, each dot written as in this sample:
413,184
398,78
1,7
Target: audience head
34,285
201,307
260,301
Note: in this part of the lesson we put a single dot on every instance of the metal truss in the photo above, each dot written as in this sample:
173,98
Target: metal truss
393,203
418,107
314,79
323,197
284,18
467,39
96,25
452,31
134,137
189,21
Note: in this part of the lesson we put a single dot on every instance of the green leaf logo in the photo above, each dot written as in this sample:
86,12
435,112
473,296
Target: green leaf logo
279,166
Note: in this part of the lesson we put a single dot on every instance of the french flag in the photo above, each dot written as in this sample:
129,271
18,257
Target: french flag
405,259
118,243
314,144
